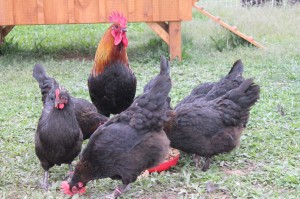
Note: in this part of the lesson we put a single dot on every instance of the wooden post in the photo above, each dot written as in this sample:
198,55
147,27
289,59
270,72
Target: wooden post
161,30
175,39
4,30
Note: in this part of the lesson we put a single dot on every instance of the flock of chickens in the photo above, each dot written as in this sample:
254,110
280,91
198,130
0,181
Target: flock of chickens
207,122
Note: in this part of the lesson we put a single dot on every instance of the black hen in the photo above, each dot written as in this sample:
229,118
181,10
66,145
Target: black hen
128,143
86,113
58,137
207,128
211,90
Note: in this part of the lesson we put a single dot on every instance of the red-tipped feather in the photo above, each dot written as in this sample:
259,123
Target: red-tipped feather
65,188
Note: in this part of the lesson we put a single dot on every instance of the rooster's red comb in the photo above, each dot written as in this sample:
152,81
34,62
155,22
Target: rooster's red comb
117,17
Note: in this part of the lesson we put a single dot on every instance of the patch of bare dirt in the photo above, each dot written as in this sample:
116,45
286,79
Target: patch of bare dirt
250,167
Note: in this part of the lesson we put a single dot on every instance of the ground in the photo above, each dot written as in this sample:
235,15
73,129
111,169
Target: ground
265,165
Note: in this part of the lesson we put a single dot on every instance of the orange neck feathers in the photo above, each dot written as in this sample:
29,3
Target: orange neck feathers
107,52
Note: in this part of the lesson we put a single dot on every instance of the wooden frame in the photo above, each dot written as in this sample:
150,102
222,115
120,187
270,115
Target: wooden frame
163,16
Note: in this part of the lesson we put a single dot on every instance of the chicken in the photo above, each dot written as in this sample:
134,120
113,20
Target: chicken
58,138
211,90
112,83
128,143
207,128
86,113
88,117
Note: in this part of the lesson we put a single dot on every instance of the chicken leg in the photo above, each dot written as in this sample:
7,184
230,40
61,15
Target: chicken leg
45,183
196,159
206,164
118,191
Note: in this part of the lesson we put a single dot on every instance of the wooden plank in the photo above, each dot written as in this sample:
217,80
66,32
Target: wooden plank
130,9
185,9
155,10
86,11
40,7
102,10
231,28
160,31
25,12
6,12
144,10
56,11
169,10
164,25
71,11
116,5
21,12
175,40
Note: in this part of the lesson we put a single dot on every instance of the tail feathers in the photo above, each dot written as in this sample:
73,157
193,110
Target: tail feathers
237,68
164,66
45,83
235,105
149,110
246,94
158,94
229,82
164,70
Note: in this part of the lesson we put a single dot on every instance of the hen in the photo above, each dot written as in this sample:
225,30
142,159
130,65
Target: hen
112,84
207,128
128,143
86,113
212,90
58,137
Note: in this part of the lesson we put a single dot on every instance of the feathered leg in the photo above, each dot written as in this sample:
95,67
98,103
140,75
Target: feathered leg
206,164
196,159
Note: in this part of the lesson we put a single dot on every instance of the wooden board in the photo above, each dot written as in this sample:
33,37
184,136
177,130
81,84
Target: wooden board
20,12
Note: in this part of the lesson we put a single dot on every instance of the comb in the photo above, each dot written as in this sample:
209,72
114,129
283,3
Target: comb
117,17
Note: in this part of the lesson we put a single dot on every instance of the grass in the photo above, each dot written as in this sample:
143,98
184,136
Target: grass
266,165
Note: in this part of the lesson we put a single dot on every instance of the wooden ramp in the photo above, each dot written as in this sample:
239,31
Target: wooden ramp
231,28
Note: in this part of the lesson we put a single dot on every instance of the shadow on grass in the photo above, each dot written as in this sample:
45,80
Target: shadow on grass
143,52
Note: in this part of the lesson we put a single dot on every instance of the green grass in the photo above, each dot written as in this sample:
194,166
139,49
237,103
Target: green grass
266,165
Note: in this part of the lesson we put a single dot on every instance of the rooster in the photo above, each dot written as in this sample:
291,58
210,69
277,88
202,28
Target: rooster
112,83
58,138
128,143
213,123
86,113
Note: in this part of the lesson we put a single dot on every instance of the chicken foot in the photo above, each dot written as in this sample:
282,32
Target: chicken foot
206,164
120,190
45,182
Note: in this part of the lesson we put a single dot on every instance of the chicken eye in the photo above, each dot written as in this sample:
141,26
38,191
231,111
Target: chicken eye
116,26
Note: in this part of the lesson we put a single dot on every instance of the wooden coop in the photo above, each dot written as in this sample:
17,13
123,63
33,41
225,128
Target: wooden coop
163,16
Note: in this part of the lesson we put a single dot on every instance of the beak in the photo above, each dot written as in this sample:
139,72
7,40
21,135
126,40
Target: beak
124,29
56,103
